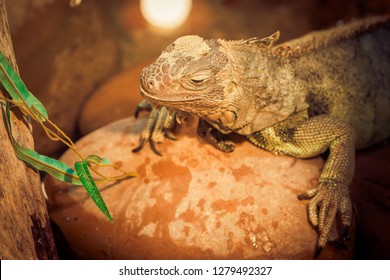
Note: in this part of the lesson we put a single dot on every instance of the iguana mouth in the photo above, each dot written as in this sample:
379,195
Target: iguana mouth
182,99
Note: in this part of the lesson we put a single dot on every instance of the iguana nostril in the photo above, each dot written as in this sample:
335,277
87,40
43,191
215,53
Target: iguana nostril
150,84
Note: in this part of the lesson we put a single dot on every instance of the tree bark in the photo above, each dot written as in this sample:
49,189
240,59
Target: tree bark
25,231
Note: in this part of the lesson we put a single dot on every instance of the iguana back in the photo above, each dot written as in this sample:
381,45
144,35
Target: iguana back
347,70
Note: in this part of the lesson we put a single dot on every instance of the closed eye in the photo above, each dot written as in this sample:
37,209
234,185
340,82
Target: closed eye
198,81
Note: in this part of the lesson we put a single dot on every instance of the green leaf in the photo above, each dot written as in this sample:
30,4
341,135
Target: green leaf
89,184
51,166
97,160
18,91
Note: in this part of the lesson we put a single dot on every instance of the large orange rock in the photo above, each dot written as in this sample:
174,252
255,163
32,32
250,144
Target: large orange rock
195,202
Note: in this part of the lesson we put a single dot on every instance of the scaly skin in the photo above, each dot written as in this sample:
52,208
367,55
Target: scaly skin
329,90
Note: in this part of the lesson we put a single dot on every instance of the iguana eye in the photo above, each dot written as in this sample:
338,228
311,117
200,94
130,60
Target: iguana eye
201,74
198,80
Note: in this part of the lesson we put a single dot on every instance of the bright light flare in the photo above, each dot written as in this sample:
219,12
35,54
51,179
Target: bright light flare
166,13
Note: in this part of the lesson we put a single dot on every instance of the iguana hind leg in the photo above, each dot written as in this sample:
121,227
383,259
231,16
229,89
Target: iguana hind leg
309,138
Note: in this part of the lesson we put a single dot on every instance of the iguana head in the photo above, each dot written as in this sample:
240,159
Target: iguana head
185,76
213,79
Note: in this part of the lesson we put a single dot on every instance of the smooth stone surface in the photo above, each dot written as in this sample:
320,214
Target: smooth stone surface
195,202
114,100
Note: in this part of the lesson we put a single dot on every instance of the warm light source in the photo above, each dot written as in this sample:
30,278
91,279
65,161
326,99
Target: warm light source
166,13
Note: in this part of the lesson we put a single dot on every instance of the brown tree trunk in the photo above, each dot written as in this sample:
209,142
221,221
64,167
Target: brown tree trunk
25,231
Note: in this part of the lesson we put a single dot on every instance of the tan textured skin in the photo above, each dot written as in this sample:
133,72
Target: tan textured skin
329,90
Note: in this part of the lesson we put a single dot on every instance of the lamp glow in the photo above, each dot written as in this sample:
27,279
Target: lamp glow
166,13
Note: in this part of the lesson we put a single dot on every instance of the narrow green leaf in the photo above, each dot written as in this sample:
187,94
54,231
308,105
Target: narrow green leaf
97,160
81,168
51,166
17,89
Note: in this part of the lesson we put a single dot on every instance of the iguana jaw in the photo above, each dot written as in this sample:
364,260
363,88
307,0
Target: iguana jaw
222,118
164,100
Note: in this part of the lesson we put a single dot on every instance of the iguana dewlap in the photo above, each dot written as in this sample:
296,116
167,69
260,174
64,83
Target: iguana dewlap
328,90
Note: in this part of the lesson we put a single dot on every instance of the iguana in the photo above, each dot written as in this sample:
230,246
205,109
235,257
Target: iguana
328,90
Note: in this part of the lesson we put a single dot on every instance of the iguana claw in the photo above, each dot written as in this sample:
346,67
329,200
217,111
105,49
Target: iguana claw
168,134
154,148
140,146
317,252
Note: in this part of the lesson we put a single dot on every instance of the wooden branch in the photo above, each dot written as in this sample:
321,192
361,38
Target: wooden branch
25,231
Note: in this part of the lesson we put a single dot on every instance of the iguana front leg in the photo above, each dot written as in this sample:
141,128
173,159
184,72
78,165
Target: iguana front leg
218,139
159,125
310,138
161,122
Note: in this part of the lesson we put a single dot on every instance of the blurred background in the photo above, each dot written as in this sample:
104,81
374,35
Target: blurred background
66,55
83,63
